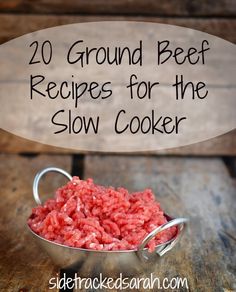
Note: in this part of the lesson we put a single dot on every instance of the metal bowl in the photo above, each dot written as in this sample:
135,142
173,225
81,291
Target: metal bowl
90,263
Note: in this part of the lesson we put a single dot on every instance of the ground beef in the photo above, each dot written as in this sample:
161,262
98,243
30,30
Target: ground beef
91,216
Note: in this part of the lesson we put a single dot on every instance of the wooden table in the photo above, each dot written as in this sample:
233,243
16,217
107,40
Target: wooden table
198,188
214,17
190,185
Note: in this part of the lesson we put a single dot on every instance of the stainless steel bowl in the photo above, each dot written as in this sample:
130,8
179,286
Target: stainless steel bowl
90,263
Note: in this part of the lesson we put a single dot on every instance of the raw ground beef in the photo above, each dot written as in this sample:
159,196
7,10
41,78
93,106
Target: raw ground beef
90,216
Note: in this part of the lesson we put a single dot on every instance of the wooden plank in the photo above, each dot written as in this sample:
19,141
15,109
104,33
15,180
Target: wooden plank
199,189
10,143
148,7
224,145
12,25
16,25
24,267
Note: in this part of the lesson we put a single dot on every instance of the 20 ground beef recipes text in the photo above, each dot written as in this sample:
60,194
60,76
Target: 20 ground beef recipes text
75,90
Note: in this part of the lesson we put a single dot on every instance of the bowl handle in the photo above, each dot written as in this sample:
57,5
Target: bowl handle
38,177
174,222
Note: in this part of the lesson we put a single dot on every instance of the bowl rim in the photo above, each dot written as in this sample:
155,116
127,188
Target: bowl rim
100,251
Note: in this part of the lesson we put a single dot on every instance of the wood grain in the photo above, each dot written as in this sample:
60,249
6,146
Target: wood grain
23,265
148,7
14,25
199,189
224,145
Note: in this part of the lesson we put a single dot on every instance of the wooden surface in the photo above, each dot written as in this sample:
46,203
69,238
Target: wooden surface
23,265
202,189
14,25
224,145
198,188
148,7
